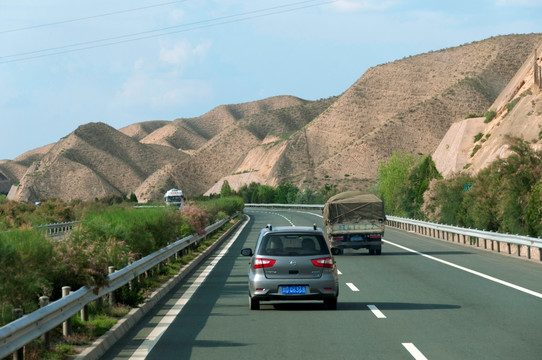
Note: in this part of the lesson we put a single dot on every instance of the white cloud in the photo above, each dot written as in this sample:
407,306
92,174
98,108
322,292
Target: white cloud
176,16
183,53
148,88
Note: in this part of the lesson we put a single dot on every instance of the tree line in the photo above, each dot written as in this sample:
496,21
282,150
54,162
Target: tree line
506,196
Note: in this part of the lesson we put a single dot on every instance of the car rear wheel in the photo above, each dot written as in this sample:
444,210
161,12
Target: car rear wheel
254,303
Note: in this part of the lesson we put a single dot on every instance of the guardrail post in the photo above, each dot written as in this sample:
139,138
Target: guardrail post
45,338
19,354
111,270
84,313
66,325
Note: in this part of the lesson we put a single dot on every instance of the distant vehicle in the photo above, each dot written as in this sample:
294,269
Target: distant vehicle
355,220
292,263
174,197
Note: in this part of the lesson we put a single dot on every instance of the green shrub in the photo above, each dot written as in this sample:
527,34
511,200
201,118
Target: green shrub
511,104
25,268
490,115
506,196
478,136
475,150
219,208
392,181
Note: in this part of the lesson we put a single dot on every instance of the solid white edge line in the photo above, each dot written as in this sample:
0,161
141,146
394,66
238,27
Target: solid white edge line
413,350
148,344
379,314
352,287
474,272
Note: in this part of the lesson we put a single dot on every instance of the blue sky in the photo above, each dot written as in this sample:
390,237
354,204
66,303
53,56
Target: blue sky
65,63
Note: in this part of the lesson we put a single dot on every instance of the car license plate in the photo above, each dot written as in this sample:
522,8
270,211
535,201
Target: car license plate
295,289
356,238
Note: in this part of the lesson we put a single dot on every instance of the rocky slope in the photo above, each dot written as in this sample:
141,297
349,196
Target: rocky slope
518,111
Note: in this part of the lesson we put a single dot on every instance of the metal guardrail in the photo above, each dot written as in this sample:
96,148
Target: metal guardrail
473,233
20,332
527,246
58,229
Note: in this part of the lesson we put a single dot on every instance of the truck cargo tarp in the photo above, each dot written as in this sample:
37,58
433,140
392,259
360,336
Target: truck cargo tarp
353,206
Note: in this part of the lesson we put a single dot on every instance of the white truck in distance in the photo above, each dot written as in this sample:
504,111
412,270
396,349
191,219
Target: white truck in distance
174,197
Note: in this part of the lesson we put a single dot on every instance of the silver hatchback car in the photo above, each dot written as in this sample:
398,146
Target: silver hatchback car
292,263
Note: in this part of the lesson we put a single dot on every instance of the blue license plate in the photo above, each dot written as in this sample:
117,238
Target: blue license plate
356,238
295,289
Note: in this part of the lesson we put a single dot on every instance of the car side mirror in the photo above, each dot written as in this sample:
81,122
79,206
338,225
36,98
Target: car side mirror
246,252
335,251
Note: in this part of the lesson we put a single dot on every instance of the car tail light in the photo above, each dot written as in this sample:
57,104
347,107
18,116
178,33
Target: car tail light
337,238
323,262
263,263
375,236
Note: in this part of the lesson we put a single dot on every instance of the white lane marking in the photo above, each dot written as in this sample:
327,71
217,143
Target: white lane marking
291,223
275,213
339,272
352,287
310,213
474,272
413,350
376,312
152,339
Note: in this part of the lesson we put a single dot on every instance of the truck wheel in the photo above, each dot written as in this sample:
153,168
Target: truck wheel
371,251
254,303
378,250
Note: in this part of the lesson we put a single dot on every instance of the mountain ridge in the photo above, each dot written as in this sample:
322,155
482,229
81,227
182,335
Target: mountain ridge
407,105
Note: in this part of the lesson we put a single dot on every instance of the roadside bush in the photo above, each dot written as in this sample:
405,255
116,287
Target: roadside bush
194,220
219,208
452,210
534,211
142,230
505,196
80,261
420,176
392,181
25,268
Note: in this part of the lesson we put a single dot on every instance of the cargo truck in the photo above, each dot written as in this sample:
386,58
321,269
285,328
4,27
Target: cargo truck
355,220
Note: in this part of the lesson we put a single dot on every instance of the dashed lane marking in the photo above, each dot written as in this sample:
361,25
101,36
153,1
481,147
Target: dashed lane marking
352,287
376,312
413,350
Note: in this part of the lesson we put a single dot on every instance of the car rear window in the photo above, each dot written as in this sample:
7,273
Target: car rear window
293,245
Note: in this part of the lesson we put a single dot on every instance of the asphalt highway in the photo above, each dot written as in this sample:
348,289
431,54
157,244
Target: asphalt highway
420,299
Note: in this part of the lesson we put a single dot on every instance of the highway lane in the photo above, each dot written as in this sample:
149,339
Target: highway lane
399,305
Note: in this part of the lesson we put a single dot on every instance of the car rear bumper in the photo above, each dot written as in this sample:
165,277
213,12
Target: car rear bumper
262,288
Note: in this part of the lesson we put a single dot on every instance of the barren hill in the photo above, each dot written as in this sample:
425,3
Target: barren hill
408,104
93,161
518,111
